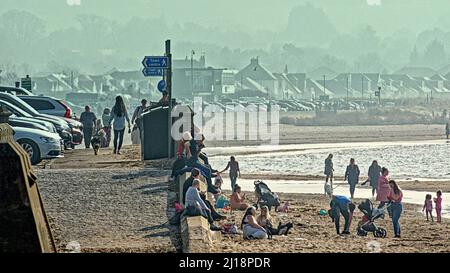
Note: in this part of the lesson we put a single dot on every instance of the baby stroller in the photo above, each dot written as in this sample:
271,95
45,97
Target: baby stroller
367,224
265,196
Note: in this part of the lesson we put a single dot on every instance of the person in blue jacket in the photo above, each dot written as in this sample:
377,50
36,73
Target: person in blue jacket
341,205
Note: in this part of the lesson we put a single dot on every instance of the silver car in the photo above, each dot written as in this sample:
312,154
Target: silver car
39,144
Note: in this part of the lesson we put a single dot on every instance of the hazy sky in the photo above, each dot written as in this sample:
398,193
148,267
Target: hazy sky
385,16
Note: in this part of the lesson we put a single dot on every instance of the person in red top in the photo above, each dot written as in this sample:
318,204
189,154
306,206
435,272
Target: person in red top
383,187
395,196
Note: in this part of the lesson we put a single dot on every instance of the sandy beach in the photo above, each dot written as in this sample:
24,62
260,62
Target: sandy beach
117,203
315,233
290,134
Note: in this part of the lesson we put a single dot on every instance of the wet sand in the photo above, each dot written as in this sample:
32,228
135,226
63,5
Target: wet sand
290,134
315,233
407,184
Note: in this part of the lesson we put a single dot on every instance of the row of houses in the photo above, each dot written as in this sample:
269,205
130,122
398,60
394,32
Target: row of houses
193,78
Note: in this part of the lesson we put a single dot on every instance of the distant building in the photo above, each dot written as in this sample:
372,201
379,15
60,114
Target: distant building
261,76
204,82
318,73
416,71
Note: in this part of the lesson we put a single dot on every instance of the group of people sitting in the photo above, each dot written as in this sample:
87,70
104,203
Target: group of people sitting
261,226
192,159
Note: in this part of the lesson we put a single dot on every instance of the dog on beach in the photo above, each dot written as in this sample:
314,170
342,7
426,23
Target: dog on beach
98,140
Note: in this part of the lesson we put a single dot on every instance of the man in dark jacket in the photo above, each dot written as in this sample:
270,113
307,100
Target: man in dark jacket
89,120
195,174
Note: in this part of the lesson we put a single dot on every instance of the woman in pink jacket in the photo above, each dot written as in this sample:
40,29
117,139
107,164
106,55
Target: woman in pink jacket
383,188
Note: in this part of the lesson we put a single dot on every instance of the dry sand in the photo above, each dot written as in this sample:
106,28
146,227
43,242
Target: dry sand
315,233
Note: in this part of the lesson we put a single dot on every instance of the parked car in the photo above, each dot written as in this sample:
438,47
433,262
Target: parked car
48,105
61,125
61,128
23,122
39,144
15,90
56,107
17,113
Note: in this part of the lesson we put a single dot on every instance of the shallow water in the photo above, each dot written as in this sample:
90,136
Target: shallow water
316,187
405,160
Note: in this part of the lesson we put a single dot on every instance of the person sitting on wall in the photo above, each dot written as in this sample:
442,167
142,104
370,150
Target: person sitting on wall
195,174
195,206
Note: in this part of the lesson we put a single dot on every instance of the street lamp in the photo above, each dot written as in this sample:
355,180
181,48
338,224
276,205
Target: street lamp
192,71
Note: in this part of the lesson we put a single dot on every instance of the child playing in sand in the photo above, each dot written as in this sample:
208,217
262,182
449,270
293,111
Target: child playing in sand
438,205
428,206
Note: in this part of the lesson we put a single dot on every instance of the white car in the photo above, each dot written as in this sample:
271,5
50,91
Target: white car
39,144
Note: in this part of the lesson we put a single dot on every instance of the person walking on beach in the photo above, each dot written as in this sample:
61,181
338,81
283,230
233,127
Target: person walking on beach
383,188
119,114
341,205
106,127
374,174
235,172
329,170
438,205
428,207
89,120
447,129
352,176
396,196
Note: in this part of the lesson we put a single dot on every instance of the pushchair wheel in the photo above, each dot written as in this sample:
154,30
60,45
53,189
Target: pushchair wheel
361,232
380,233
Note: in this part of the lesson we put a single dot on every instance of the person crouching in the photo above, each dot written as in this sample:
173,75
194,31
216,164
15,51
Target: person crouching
341,205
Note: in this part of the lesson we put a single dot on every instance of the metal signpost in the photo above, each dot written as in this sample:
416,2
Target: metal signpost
161,66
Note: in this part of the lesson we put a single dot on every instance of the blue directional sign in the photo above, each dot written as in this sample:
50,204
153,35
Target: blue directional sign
155,61
153,72
162,86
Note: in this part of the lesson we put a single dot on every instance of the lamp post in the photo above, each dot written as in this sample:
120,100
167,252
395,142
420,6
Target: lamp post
362,86
324,93
192,71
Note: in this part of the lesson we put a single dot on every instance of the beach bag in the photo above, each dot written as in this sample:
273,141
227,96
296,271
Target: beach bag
135,138
222,202
229,229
